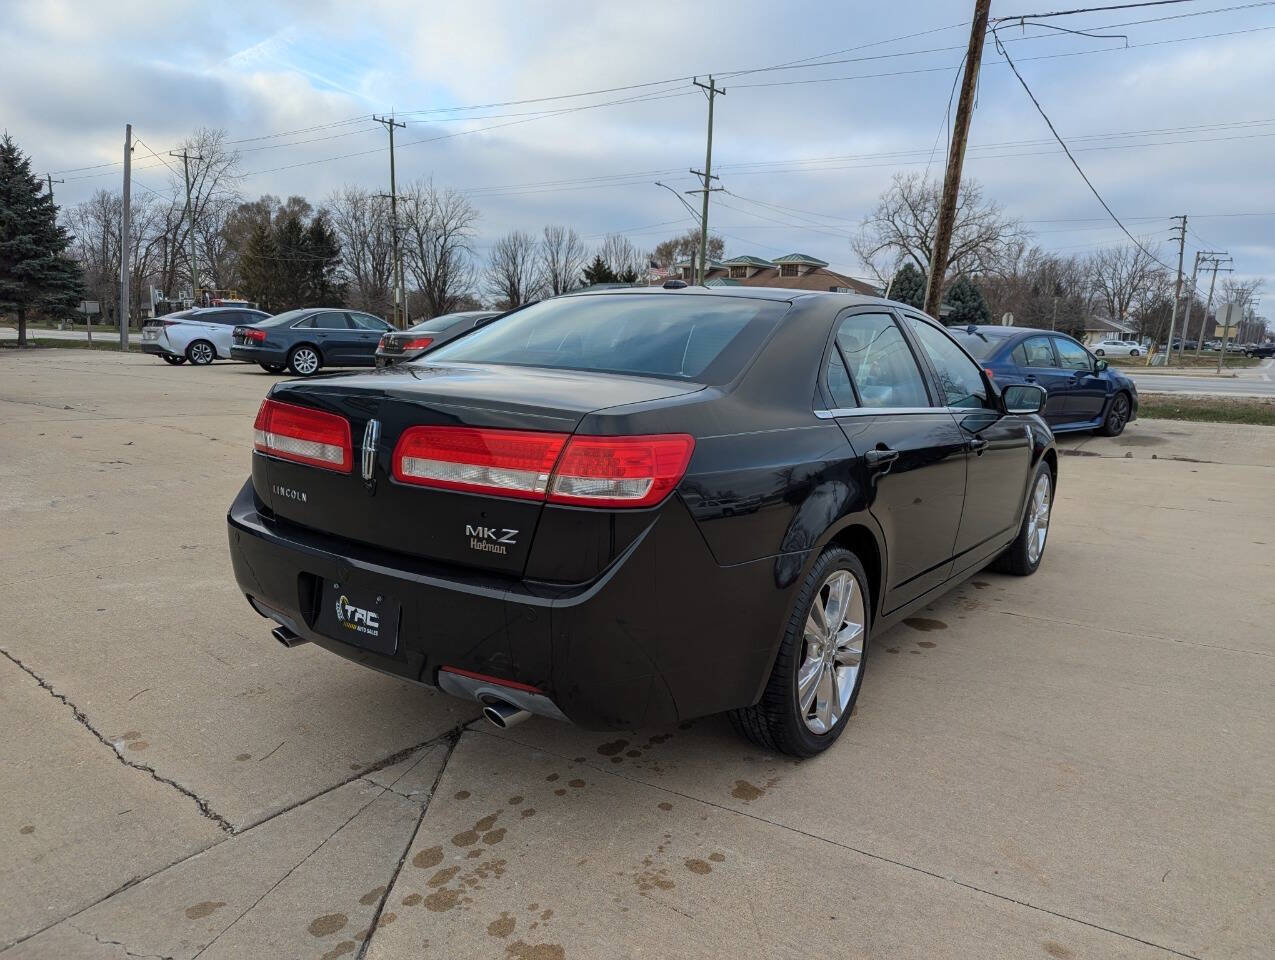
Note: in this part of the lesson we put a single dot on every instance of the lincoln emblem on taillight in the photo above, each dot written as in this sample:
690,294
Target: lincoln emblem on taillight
371,436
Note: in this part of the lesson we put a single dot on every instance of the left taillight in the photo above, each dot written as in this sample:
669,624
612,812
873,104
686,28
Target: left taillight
589,471
250,334
416,343
303,435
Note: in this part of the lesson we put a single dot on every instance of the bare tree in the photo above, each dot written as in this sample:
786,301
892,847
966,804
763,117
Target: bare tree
95,224
901,229
686,246
1128,282
362,222
1039,288
562,257
625,260
514,275
213,194
436,232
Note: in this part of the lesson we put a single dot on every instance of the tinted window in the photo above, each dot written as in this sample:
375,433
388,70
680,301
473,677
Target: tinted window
881,362
960,378
980,343
447,321
227,317
704,338
1035,352
365,322
1072,355
280,319
331,321
839,388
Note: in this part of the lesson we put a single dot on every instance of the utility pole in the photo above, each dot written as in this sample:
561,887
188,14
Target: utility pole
706,177
956,160
1217,261
1177,289
1201,256
1053,321
400,275
49,177
190,210
400,297
125,226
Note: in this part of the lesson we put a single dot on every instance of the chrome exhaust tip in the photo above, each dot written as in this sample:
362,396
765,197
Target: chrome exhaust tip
287,637
503,714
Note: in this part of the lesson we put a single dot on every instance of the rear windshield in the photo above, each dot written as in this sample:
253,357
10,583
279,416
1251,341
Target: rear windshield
708,339
281,318
442,323
979,344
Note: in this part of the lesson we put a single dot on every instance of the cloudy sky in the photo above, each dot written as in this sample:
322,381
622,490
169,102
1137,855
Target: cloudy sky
1178,118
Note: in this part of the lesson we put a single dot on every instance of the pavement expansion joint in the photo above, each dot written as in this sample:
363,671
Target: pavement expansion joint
116,943
204,808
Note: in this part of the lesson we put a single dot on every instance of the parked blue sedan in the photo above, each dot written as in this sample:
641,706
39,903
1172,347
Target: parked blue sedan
1084,392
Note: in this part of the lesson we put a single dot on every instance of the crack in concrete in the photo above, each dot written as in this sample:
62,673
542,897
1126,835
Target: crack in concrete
120,944
204,808
865,853
454,740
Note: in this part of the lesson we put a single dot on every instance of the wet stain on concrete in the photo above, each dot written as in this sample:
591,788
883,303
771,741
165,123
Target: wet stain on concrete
979,584
633,753
925,624
546,914
443,877
138,745
561,791
535,951
131,735
502,926
749,792
443,900
327,924
695,865
472,854
928,644
28,828
494,836
665,805
466,838
915,651
576,783
487,822
551,778
243,756
197,911
891,649
717,857
1056,949
340,950
462,794
412,899
514,801
386,919
372,896
529,812
651,879
429,857
612,748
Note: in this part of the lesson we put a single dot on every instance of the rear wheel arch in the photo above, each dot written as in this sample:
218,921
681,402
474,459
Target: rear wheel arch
860,540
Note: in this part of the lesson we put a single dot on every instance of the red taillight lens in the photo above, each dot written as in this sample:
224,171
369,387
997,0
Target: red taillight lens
254,336
990,372
590,471
303,435
513,463
417,343
621,471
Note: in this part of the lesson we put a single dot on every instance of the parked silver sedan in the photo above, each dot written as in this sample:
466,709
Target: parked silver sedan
1116,348
200,335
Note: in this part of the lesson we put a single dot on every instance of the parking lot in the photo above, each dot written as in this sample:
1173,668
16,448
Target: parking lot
1075,764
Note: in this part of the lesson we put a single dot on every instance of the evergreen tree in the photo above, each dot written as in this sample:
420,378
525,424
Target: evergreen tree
599,272
908,286
323,265
35,271
968,305
258,264
292,269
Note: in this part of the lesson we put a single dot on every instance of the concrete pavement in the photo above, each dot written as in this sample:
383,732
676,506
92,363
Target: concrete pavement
1075,764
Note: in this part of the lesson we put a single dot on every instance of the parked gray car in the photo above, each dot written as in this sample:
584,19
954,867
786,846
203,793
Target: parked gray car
305,340
420,337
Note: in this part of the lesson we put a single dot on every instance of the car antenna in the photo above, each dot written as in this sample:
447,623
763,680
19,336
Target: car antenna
974,331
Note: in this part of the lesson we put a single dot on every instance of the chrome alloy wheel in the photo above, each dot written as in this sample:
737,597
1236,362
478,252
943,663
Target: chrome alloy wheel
833,656
305,361
201,353
1038,519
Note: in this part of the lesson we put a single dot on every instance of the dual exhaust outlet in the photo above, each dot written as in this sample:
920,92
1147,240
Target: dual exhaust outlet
498,711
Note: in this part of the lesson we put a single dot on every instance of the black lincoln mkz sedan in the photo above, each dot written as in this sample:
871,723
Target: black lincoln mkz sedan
635,507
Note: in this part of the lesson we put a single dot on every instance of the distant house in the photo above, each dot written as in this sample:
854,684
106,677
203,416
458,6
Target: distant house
796,271
1101,328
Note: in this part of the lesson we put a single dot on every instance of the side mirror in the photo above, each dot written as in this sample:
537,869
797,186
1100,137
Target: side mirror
1100,365
1023,398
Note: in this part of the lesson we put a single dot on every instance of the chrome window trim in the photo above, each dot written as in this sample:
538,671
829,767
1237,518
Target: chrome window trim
899,411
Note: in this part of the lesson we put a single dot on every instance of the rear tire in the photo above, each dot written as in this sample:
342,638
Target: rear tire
169,358
819,663
273,367
1133,353
1022,557
1117,417
304,360
201,353
1099,353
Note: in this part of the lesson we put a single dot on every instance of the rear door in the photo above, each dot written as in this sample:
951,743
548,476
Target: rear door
1086,391
912,451
1038,364
336,337
367,334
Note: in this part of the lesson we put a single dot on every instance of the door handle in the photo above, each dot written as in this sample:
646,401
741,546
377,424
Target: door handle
1030,378
880,457
976,445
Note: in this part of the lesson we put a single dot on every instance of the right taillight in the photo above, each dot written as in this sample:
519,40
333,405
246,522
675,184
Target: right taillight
620,471
633,471
303,435
252,335
416,343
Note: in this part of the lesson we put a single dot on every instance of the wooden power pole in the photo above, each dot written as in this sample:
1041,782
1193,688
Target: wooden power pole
956,160
400,295
707,177
126,212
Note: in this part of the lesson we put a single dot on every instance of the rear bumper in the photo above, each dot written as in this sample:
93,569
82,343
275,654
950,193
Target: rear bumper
154,347
258,354
664,634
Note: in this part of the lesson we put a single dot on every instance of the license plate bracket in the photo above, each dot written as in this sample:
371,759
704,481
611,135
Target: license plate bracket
362,618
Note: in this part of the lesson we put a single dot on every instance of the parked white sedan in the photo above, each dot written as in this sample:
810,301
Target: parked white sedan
200,335
1116,348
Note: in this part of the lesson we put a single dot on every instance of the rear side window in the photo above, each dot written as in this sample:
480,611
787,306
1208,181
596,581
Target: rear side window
1072,354
698,337
439,324
960,378
331,321
1035,352
839,388
364,322
881,362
